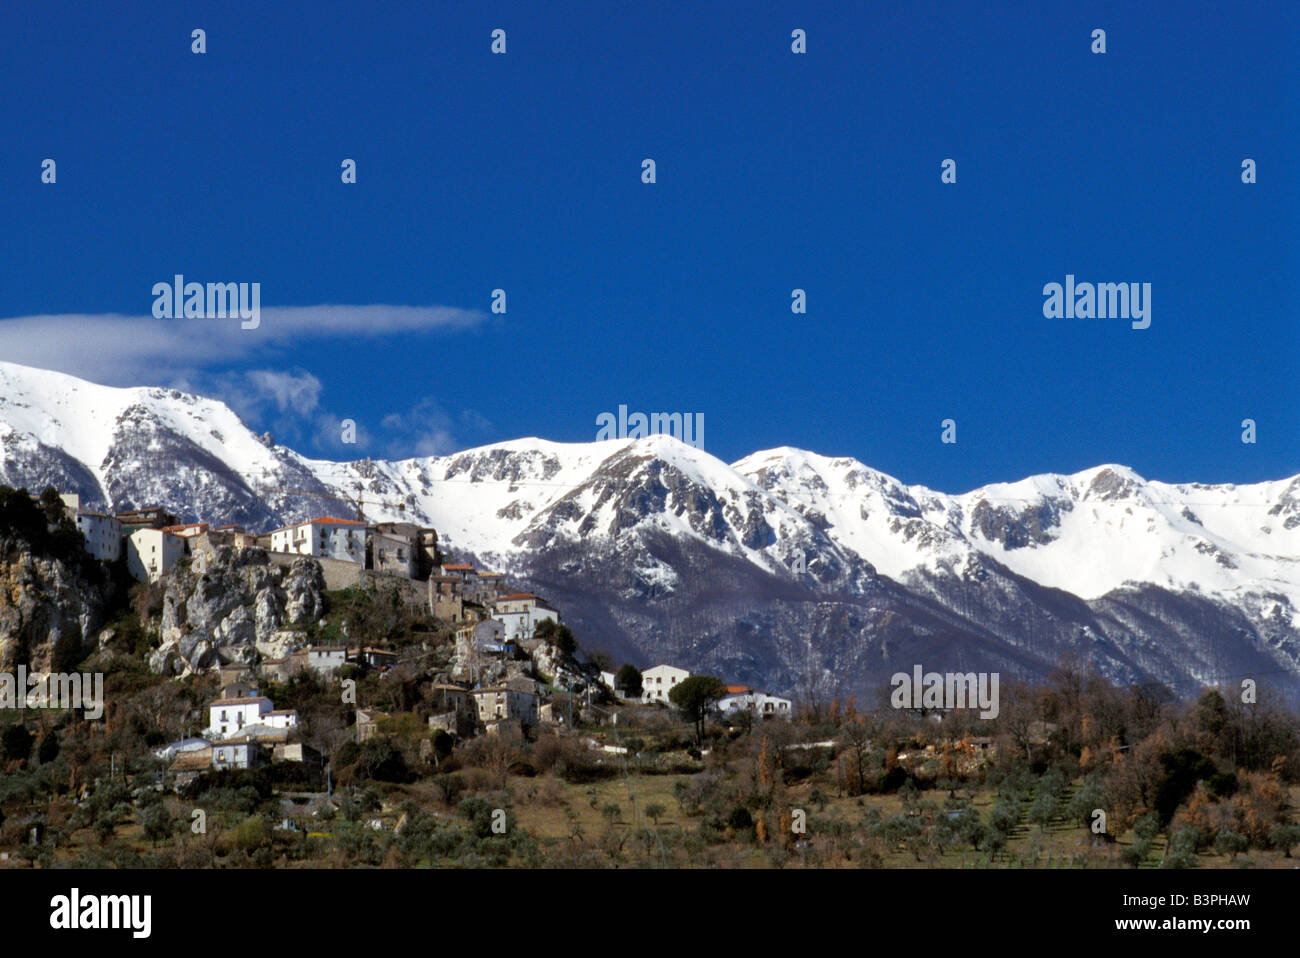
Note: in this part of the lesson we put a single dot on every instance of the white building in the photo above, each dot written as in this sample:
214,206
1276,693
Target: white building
240,754
325,538
103,535
280,718
756,701
151,553
326,659
657,682
502,702
228,716
519,614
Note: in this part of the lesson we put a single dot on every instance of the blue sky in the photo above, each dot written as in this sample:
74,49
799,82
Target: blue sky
775,171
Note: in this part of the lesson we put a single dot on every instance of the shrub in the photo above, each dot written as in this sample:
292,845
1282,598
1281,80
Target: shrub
1147,827
249,834
1231,843
157,822
1182,848
1284,837
1136,853
481,814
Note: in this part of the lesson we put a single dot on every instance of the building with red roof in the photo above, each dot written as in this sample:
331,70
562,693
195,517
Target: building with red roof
327,537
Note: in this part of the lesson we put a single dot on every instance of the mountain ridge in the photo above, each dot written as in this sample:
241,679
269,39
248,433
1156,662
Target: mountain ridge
664,550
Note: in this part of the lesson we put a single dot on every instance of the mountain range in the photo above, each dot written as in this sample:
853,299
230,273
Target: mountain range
801,573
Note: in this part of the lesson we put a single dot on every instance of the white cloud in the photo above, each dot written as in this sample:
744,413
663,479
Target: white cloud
327,434
297,392
195,355
429,430
119,350
283,402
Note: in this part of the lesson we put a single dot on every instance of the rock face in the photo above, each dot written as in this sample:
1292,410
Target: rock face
49,613
233,605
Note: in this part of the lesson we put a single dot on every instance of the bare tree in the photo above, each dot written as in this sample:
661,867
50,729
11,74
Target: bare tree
815,686
857,739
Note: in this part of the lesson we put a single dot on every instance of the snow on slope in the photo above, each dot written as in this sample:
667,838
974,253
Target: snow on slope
485,499
865,511
1088,533
1117,528
82,419
479,499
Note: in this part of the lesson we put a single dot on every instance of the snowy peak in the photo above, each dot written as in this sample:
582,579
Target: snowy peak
824,521
1104,528
660,551
1088,533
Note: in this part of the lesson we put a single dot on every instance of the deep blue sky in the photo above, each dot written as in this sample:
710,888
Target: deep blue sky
775,171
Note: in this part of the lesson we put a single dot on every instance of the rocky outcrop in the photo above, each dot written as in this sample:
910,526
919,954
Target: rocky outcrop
49,612
234,605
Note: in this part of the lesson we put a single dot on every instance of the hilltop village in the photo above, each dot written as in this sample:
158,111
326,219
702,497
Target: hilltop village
342,693
514,666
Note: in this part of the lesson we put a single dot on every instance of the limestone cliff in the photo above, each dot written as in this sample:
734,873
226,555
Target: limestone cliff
234,605
50,610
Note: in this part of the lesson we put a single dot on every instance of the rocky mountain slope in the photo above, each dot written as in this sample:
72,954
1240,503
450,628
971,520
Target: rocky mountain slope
233,605
49,611
785,569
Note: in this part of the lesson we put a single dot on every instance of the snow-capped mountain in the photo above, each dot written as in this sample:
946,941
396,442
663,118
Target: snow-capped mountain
786,569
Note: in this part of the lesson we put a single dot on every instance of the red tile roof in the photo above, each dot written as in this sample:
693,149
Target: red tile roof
333,520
